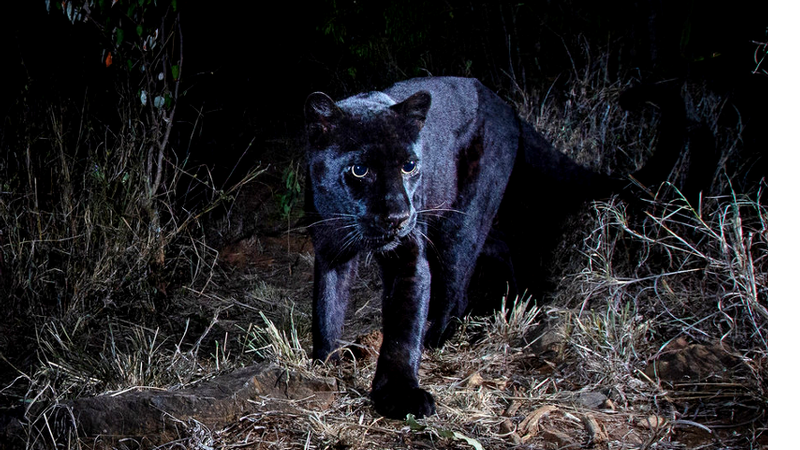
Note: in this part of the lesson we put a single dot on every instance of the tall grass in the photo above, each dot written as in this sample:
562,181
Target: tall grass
645,288
700,275
92,253
637,278
580,113
83,228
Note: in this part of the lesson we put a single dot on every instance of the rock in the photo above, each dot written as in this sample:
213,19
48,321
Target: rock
686,362
152,417
592,400
546,338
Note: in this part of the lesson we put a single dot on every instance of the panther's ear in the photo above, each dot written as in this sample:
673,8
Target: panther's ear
322,116
415,108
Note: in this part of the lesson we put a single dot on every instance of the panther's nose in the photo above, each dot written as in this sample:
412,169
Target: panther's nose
396,221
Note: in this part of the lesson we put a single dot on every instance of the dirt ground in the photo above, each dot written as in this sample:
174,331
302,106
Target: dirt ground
517,386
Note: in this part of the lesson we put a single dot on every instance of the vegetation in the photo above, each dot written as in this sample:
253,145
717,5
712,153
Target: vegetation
125,264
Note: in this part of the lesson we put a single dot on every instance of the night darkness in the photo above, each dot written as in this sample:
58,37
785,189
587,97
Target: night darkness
251,67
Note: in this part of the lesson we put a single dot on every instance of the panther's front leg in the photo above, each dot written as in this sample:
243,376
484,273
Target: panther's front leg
406,283
331,293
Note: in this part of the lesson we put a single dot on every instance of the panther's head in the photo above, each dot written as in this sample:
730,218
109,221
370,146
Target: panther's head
365,166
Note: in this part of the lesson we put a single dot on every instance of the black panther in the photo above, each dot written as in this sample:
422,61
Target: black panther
417,177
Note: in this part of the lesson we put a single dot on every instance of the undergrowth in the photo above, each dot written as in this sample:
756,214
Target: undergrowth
581,114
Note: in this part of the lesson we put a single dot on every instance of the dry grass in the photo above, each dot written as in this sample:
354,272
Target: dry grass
580,113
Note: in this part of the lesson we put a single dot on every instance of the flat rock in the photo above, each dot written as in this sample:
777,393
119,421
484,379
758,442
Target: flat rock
152,417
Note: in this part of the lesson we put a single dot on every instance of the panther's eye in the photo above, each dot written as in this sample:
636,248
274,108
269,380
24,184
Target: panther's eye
409,167
359,171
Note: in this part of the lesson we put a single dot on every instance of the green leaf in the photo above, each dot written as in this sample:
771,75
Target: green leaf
139,30
120,36
411,421
446,433
175,72
473,442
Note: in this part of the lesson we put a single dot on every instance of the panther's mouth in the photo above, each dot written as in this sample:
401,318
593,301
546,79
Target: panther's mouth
382,243
385,241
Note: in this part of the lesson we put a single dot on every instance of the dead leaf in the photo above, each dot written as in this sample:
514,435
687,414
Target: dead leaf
653,422
475,380
530,425
597,434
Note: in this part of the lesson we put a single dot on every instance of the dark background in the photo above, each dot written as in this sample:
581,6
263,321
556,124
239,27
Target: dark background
250,65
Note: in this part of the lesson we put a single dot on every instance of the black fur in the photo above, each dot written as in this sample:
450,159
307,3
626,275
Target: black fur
415,175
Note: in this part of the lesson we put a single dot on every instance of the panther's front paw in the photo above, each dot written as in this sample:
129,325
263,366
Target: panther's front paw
398,402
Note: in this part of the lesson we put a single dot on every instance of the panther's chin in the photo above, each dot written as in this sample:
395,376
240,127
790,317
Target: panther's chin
386,243
389,241
391,245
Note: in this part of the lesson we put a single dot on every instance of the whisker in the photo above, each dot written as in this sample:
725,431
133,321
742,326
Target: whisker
329,219
349,239
431,225
439,208
338,217
428,210
432,245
